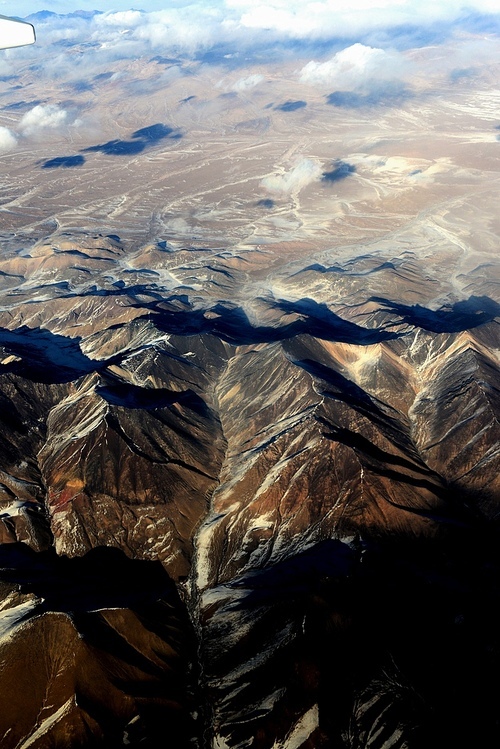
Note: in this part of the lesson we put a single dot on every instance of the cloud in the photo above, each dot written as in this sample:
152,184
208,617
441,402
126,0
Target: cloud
402,8
340,170
192,28
43,117
226,31
347,18
291,106
75,47
351,68
5,68
247,83
302,174
187,30
8,140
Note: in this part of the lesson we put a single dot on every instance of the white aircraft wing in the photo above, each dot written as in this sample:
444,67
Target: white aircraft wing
15,33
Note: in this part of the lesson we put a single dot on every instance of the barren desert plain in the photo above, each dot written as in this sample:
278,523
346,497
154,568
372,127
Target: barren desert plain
249,390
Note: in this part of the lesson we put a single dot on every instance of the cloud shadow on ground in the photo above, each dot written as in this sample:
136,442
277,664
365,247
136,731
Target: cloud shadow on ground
22,105
291,106
81,86
385,96
141,139
340,171
64,161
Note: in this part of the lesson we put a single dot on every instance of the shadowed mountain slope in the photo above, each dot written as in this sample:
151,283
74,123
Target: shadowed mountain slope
245,508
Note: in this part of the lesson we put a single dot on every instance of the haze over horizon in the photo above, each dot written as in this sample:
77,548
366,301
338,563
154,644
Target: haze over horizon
202,25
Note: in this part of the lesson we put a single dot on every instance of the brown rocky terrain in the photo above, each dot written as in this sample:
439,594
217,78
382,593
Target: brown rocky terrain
311,475
249,444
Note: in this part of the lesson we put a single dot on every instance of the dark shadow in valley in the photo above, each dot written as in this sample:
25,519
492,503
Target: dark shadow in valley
80,254
378,459
66,162
119,288
401,470
319,321
393,638
126,640
334,385
47,357
103,578
293,576
266,203
127,395
455,318
231,324
318,268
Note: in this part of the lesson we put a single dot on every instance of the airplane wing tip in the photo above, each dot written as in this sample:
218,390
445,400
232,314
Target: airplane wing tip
15,33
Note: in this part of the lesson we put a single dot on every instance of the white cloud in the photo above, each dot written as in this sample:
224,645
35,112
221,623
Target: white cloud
43,117
5,68
337,18
316,18
239,27
127,18
302,174
187,29
245,84
353,66
8,140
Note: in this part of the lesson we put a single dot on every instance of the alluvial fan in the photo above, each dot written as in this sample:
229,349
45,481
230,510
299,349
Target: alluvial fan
235,518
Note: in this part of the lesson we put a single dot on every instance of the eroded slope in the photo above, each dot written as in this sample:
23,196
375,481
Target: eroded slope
311,456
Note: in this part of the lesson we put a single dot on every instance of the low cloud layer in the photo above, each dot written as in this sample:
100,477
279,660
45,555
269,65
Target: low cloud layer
8,140
192,23
247,83
302,174
242,26
355,66
43,117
